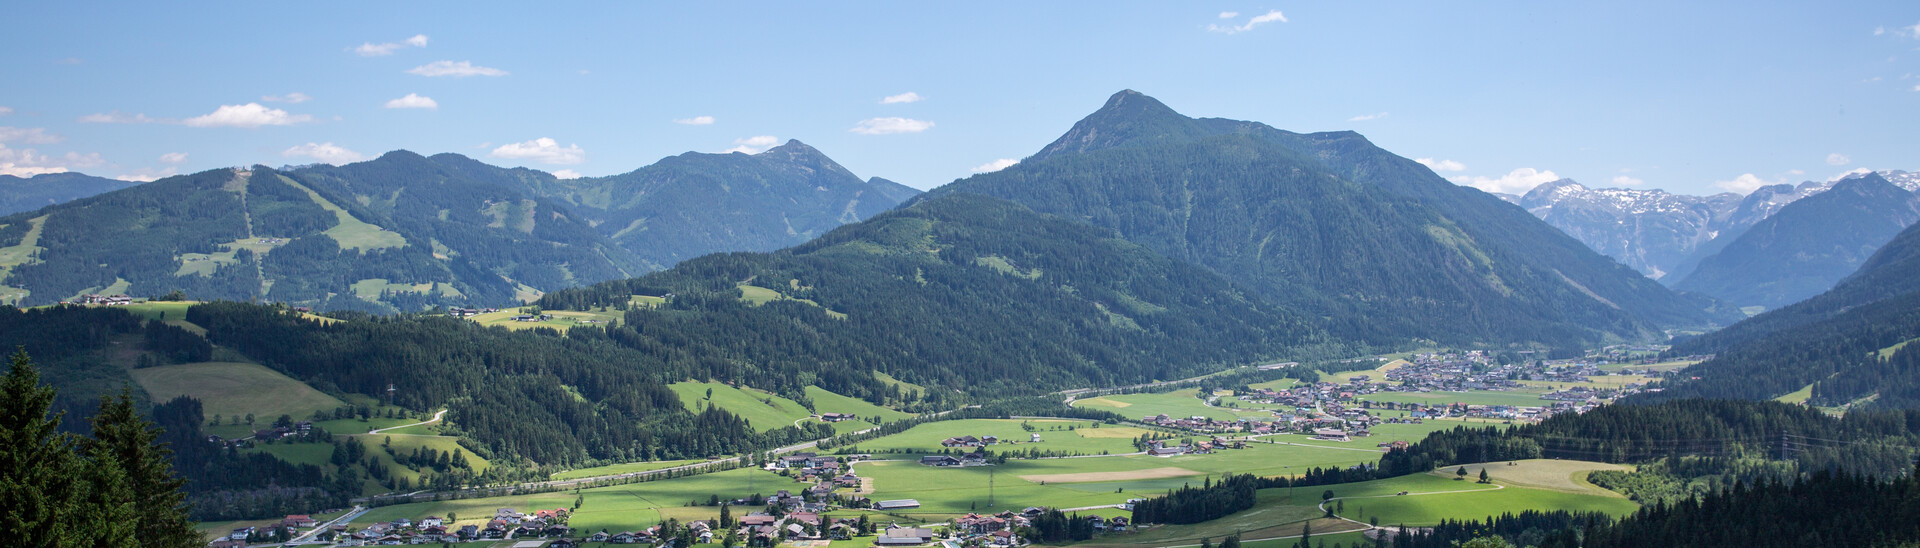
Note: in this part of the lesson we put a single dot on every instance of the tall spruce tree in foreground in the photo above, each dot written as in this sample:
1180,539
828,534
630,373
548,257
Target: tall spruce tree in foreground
59,491
121,435
39,479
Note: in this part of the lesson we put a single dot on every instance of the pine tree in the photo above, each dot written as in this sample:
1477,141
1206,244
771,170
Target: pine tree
39,474
1484,478
121,435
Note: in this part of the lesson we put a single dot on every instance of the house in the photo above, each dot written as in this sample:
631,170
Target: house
600,537
1164,451
432,521
757,519
627,537
241,533
900,504
808,518
299,520
1034,438
939,460
837,417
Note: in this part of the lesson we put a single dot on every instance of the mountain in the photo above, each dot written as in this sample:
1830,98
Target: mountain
1808,245
1649,230
401,232
965,291
1849,344
26,194
1665,235
693,204
1330,225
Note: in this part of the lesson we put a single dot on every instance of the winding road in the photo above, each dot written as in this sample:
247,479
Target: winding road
436,418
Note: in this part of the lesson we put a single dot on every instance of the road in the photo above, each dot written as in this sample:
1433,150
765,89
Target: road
1075,392
436,418
344,518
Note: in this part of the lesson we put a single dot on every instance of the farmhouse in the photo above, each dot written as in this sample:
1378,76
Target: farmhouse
939,460
837,417
900,504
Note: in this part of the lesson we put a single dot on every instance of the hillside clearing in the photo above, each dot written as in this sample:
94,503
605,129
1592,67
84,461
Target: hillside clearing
235,389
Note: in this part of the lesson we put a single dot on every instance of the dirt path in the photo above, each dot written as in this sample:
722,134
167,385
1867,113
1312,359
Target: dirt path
436,418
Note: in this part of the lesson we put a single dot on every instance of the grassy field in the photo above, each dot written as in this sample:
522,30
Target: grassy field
905,386
1054,436
403,444
1377,374
1552,475
371,288
1425,510
20,254
352,233
358,426
1382,433
764,411
756,295
1886,353
1178,403
228,389
1662,366
825,401
1797,396
562,319
617,508
623,468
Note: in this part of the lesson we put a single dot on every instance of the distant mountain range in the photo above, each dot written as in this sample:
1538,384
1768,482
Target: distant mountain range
405,232
1333,226
693,204
1661,234
25,194
1807,246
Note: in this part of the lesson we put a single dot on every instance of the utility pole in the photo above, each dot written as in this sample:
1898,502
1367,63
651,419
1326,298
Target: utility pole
990,487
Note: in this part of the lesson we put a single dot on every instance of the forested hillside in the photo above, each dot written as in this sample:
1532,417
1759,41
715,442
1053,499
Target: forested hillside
693,204
398,233
1808,246
19,194
1850,344
1332,226
962,291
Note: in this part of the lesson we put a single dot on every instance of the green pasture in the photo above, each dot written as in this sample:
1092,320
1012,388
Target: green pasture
1176,404
1087,437
352,233
623,468
1528,398
230,388
763,410
403,444
562,319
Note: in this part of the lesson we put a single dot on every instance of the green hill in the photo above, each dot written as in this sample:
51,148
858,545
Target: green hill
962,291
401,232
1332,226
1847,345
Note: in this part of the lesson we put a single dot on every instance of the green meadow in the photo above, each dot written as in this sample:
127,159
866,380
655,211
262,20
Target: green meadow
1086,437
228,389
1177,404
763,410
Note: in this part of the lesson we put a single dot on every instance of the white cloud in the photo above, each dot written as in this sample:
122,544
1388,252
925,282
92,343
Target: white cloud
1515,182
567,174
250,115
890,125
1879,31
1269,17
753,145
695,121
995,165
908,97
1746,183
116,117
459,70
1916,87
1838,159
6,110
1850,173
295,97
1441,165
147,174
324,152
28,135
173,158
1796,172
414,100
1623,180
1229,14
370,49
29,162
1365,117
544,150
1914,31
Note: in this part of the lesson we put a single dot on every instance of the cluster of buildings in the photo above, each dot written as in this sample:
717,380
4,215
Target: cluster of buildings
506,523
299,429
460,312
1162,448
103,300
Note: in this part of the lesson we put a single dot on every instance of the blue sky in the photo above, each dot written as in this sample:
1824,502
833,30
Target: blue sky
1693,98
